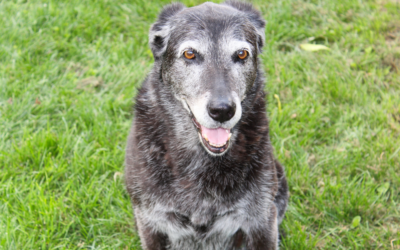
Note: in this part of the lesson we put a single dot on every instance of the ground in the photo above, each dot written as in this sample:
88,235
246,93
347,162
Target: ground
69,71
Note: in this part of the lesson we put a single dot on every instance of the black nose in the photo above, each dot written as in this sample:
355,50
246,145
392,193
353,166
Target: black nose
221,111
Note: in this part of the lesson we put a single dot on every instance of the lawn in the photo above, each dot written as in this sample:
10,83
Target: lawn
69,72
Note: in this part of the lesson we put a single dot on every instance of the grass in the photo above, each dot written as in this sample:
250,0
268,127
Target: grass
68,75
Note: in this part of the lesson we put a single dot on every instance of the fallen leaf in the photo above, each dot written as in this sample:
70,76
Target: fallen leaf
313,47
356,222
37,101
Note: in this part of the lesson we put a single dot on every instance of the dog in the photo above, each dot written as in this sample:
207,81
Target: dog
199,164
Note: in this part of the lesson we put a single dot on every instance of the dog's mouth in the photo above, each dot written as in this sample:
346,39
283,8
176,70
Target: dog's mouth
216,140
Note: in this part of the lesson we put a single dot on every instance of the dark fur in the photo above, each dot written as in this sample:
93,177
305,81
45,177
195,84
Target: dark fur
200,189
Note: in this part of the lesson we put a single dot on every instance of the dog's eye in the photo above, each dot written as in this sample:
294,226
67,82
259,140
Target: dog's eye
242,54
189,54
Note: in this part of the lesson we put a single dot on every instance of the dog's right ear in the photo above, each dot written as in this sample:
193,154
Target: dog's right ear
160,30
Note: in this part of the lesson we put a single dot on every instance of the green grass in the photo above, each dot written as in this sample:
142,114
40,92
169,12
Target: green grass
69,71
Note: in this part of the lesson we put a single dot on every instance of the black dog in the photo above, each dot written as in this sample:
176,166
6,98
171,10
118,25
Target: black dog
199,165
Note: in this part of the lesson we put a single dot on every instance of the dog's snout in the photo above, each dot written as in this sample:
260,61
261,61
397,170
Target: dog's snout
221,111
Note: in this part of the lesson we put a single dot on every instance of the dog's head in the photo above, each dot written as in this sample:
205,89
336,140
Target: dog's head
208,56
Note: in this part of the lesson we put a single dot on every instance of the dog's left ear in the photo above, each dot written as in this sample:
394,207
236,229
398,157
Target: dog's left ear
255,18
159,31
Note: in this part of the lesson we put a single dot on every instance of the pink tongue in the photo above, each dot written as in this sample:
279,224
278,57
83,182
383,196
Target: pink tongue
215,135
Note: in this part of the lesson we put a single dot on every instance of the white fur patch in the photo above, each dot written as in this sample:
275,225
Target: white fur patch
232,46
195,45
198,106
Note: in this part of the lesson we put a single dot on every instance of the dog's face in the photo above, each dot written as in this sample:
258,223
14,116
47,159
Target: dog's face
208,56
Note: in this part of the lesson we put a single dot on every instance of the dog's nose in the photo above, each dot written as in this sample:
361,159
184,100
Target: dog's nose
221,111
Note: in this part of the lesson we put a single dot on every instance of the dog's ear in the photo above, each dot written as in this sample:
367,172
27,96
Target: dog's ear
159,31
255,18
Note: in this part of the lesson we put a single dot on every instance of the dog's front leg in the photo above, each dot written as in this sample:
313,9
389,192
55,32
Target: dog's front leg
264,237
150,238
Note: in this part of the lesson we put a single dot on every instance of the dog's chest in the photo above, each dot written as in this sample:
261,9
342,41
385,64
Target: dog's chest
204,221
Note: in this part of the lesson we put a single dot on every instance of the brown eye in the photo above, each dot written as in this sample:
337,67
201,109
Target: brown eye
242,54
189,54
